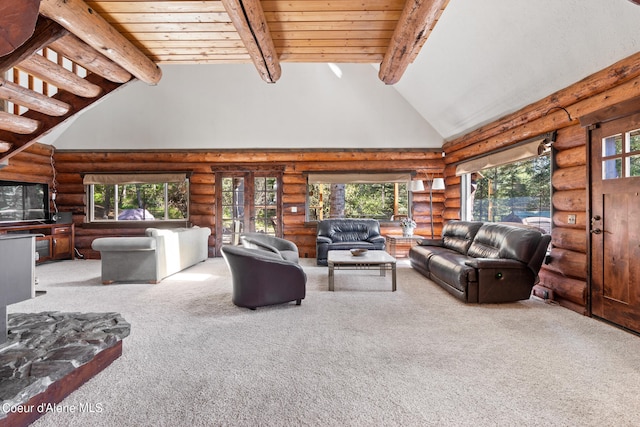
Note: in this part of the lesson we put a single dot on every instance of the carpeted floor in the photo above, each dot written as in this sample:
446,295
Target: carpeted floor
360,356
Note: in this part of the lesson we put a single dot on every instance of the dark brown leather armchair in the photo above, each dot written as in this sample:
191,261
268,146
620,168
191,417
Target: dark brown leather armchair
263,278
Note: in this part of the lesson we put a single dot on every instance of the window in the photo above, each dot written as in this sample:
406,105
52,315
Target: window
145,197
621,155
378,196
518,191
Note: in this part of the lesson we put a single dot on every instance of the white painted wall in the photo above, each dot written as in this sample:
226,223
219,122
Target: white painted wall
229,106
489,58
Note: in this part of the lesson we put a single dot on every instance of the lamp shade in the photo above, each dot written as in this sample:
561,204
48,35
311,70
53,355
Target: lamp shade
437,184
416,186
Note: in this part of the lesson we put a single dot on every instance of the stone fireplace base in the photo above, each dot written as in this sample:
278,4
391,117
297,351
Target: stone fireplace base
49,355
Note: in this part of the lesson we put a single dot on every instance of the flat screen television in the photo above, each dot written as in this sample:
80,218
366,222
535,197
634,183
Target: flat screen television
24,201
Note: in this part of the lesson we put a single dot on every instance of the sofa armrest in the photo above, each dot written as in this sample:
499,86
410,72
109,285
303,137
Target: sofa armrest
430,242
377,239
256,244
481,263
323,239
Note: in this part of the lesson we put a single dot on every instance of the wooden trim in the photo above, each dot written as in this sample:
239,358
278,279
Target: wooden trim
613,112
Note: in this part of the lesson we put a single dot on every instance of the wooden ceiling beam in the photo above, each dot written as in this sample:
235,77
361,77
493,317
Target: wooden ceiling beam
48,71
81,53
94,30
416,22
31,99
18,124
249,20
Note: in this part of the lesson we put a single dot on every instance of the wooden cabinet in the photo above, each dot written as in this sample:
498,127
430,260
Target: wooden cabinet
53,241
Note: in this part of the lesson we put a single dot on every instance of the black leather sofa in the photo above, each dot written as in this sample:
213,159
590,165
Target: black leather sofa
483,262
345,234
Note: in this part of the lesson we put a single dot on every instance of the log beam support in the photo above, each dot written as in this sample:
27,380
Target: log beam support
31,99
248,18
79,52
95,31
414,26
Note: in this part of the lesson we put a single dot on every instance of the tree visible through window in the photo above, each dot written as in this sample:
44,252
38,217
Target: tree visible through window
380,201
141,202
516,192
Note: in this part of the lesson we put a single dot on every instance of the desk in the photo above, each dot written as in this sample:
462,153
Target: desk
399,245
343,260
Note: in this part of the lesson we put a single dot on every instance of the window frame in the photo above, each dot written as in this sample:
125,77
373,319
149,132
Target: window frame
91,180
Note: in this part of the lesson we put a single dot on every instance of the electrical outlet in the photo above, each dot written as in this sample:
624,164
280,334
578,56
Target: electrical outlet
294,209
571,219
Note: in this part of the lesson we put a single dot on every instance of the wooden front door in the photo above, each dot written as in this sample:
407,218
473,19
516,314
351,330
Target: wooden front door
247,202
615,222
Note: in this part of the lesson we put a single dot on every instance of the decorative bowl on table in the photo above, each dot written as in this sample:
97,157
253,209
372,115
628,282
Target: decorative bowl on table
358,252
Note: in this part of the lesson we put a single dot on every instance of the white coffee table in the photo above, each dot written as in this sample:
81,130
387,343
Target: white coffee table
343,260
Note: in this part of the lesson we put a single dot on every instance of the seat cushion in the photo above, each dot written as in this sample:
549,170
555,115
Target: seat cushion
450,268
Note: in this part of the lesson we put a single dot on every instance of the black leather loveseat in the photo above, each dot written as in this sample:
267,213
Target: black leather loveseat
345,234
483,262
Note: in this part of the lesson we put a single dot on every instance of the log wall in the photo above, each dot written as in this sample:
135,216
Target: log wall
71,165
32,165
566,274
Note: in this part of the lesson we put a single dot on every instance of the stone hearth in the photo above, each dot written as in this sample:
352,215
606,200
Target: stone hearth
43,349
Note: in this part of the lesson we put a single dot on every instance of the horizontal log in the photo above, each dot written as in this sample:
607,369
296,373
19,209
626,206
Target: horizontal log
18,124
453,203
202,198
5,146
574,290
71,199
570,200
570,178
196,209
294,178
28,169
570,137
202,220
418,158
568,263
31,99
451,214
79,52
561,219
452,191
48,71
575,156
571,239
202,178
294,189
294,199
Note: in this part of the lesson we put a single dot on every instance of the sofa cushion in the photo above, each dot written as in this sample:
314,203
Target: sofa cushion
123,244
458,235
450,267
495,240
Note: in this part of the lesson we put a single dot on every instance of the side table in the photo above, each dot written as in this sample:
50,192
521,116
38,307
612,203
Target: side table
398,245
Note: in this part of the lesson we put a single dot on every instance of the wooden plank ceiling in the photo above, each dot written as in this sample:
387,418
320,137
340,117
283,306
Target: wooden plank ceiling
135,36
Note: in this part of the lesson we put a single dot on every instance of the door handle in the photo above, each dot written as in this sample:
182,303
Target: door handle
596,231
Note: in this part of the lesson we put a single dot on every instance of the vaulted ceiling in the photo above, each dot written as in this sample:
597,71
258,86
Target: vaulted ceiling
458,63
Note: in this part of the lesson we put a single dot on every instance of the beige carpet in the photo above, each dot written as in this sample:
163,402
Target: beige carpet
360,356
